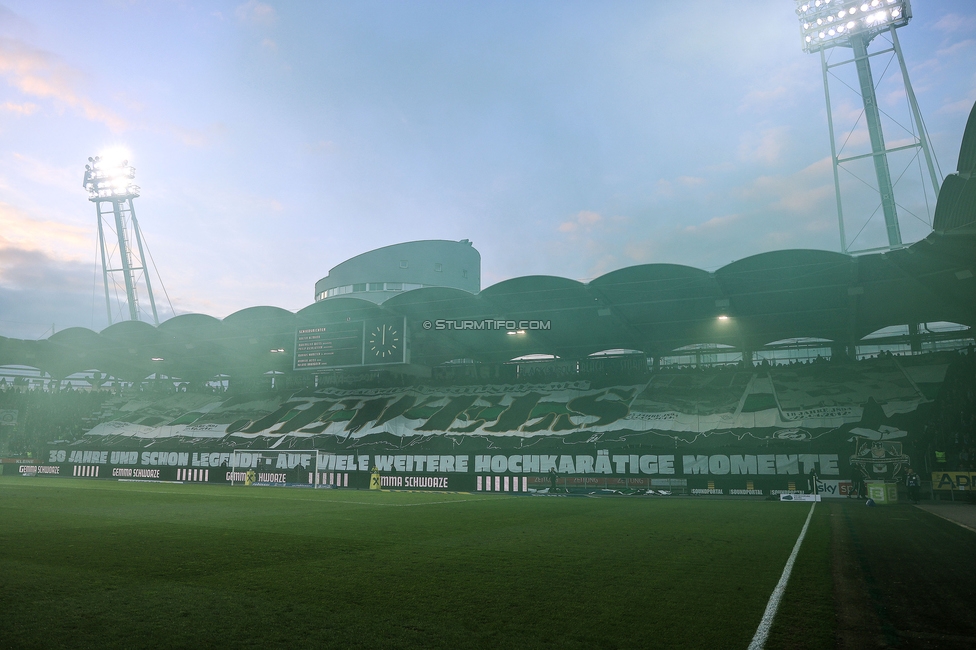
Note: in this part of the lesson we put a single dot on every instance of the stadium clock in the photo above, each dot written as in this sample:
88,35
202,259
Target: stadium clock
384,342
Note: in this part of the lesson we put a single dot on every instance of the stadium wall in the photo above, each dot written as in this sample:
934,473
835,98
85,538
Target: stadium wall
743,474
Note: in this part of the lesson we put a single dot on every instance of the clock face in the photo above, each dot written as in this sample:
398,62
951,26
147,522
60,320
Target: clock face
384,342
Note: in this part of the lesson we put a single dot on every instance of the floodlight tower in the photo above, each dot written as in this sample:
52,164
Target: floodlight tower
110,188
826,24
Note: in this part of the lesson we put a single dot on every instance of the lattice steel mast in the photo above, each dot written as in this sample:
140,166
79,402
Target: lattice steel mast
111,189
855,23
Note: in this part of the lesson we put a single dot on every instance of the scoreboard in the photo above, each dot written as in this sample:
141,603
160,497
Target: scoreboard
373,342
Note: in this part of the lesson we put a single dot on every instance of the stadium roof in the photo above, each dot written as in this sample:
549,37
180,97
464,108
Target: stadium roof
656,308
955,211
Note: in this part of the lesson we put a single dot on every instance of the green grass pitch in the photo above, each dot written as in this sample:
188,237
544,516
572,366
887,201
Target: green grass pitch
99,563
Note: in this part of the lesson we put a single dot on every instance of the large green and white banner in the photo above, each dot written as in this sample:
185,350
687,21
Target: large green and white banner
687,402
833,420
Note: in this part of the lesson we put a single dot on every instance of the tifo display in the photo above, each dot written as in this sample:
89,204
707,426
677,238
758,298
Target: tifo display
746,432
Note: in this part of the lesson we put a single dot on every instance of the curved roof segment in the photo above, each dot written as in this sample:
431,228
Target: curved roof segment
804,292
967,150
662,306
955,210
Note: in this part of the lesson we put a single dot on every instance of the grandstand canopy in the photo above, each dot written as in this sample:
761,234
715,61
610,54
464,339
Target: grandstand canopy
653,308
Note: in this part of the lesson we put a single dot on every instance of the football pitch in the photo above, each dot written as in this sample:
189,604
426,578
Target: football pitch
107,564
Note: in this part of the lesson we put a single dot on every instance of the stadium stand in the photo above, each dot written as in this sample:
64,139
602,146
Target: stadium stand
562,364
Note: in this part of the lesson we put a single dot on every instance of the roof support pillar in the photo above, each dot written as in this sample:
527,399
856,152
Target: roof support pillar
915,337
747,356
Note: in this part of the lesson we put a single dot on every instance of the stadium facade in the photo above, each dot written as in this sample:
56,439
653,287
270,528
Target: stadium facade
385,272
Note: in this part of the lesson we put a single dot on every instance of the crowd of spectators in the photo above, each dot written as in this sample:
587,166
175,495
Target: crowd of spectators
42,416
950,430
65,413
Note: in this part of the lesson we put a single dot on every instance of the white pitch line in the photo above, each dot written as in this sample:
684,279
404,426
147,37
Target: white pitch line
951,521
762,632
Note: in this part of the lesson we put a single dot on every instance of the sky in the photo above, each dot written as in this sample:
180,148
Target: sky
274,140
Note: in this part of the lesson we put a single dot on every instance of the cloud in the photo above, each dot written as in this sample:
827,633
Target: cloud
35,270
715,223
691,181
956,23
604,264
765,96
256,13
593,241
666,187
778,239
767,213
893,97
269,45
12,23
805,192
29,314
961,107
322,146
642,251
43,75
956,47
20,109
48,275
197,138
18,230
783,87
764,147
40,287
66,179
850,127
582,220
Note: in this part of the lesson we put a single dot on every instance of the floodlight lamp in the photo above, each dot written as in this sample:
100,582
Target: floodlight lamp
856,18
723,317
108,179
114,155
